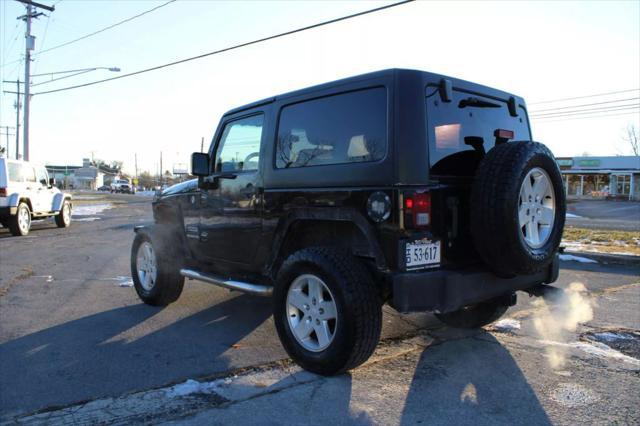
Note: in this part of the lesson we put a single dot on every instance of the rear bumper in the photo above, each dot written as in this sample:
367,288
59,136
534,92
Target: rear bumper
8,211
446,291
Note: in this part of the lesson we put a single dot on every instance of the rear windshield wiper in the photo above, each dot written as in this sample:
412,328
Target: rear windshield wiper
477,103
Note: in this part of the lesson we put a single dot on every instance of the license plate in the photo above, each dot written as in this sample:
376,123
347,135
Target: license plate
422,253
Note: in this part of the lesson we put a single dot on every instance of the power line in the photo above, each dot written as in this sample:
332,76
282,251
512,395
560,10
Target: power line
237,46
106,28
583,97
583,118
582,111
584,105
99,31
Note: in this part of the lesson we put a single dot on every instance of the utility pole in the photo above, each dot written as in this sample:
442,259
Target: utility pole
136,163
161,169
202,144
29,46
17,118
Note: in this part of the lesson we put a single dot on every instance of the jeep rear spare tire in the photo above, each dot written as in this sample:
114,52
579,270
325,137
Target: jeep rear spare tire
517,208
327,311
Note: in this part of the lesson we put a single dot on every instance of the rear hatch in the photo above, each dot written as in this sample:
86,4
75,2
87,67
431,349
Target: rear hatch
462,126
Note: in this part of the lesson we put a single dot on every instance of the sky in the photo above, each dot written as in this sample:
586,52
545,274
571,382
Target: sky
542,51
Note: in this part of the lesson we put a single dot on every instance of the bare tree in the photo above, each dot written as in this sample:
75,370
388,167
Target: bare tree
631,137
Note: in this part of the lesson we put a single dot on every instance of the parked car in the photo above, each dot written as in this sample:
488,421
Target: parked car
104,188
401,187
122,186
26,193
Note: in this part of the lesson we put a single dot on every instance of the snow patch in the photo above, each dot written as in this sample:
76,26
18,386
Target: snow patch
146,193
570,215
507,325
86,219
123,281
597,349
567,257
609,336
191,387
90,209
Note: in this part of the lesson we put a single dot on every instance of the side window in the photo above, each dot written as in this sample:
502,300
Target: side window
15,172
41,175
345,128
28,173
239,148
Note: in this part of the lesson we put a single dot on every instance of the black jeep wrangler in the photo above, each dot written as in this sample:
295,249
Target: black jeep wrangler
399,186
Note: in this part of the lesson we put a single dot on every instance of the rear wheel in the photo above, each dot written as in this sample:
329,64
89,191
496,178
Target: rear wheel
326,310
474,316
20,223
63,219
155,272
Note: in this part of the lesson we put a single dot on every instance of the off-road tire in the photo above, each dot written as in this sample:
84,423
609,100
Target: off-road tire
494,214
358,308
474,316
169,283
61,221
13,221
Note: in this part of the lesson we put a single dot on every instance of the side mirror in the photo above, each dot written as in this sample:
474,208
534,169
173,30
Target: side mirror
52,181
200,164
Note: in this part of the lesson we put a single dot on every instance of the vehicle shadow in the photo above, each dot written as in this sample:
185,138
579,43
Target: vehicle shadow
471,381
84,359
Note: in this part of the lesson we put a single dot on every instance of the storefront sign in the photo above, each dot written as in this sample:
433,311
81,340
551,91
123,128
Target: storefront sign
589,163
565,162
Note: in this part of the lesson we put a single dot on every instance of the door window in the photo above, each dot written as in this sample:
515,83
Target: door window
239,148
28,173
41,175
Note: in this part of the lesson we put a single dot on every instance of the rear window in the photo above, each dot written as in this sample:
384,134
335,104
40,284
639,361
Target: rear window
345,128
15,172
459,130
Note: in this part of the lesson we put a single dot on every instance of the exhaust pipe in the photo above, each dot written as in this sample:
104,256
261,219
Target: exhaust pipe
255,289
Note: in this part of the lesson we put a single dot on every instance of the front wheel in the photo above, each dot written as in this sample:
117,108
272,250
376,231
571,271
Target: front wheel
326,310
63,219
156,275
474,316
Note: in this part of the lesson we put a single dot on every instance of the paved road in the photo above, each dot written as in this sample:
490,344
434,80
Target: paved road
72,330
598,214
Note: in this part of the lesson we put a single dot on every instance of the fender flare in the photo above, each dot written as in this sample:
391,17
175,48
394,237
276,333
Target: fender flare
58,199
14,199
326,214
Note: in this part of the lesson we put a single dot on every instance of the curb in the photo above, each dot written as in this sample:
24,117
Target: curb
618,259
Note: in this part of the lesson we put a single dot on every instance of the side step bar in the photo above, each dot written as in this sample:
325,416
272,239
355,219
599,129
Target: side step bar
256,289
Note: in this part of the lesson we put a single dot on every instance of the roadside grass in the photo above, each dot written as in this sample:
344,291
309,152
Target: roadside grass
599,240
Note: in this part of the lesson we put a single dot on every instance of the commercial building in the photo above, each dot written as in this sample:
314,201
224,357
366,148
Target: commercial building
601,177
87,176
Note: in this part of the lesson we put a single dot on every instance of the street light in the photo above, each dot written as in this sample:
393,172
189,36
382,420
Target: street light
74,73
27,97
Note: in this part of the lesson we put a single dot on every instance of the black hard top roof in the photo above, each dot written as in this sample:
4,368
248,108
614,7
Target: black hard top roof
428,77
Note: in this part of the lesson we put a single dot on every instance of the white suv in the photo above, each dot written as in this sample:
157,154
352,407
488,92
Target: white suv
26,193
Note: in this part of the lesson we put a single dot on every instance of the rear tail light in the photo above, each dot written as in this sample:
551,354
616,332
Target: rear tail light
3,192
417,210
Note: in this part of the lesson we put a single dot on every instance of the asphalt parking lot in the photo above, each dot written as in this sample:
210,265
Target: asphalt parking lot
77,346
604,214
